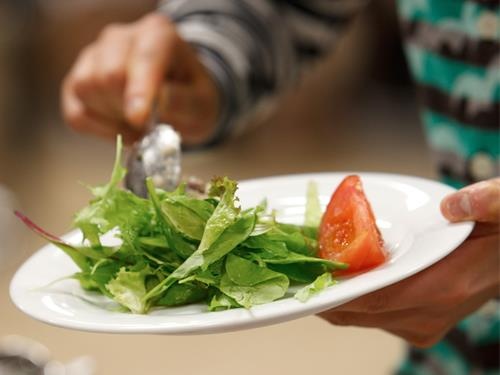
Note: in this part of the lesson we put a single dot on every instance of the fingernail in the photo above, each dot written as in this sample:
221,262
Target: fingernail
459,206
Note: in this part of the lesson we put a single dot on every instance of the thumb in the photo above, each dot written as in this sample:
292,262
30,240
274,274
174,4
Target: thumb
477,202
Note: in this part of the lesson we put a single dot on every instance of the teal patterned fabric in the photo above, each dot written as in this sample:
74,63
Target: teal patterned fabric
453,50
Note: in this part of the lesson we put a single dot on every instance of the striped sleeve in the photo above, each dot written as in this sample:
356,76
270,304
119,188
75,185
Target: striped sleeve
254,48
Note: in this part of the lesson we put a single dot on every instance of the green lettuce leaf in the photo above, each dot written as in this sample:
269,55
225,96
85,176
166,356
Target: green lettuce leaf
183,294
313,212
128,288
321,283
188,216
92,220
249,284
220,302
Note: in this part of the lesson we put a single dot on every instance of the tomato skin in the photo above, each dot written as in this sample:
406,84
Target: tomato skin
348,232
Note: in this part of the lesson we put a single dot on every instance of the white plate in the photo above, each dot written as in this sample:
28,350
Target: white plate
407,212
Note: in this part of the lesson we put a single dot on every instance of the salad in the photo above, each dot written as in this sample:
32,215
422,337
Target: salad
176,248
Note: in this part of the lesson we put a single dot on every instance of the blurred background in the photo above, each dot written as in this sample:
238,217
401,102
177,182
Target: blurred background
363,118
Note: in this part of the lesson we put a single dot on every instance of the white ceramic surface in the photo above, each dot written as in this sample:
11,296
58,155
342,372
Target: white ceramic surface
407,212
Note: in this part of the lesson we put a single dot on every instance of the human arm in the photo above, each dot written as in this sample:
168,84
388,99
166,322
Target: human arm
219,58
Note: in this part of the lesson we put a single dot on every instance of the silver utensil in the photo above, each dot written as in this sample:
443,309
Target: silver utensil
156,155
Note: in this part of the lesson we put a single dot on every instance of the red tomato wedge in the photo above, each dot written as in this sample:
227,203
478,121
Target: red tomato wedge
348,232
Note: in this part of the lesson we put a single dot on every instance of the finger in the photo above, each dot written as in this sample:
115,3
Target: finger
424,328
391,298
81,77
448,284
420,327
478,202
486,229
83,120
111,54
111,68
417,339
414,292
147,68
386,320
84,83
